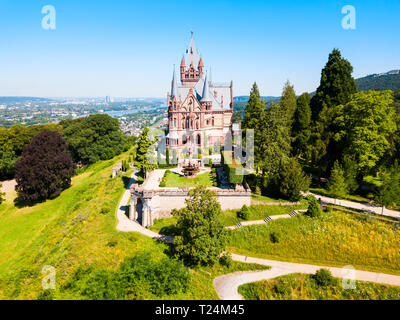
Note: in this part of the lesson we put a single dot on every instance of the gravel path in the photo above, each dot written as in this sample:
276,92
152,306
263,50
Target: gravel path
359,206
227,285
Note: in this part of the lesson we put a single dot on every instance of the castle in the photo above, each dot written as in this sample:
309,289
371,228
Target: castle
199,110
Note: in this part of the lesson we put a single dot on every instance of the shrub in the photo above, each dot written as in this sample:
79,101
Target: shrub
314,209
244,213
275,236
226,260
233,170
324,278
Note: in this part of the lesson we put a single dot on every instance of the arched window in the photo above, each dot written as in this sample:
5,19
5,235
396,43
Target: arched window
213,123
175,123
198,139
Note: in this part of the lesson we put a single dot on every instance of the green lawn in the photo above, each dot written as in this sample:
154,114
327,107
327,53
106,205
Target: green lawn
303,287
335,239
166,226
79,229
259,212
258,197
174,180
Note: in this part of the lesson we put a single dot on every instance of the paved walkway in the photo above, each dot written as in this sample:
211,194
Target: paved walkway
127,225
227,285
359,206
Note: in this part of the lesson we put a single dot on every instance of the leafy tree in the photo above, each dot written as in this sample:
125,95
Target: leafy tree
7,162
167,157
44,169
144,152
291,180
365,124
337,186
202,234
94,138
314,210
301,130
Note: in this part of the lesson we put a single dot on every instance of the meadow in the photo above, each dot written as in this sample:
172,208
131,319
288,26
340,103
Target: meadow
78,229
334,239
303,287
166,226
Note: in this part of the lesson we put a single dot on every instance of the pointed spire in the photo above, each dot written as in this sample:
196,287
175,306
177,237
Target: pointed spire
206,97
201,62
174,85
183,61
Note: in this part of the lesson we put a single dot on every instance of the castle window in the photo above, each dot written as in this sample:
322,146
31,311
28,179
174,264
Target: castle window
213,121
174,122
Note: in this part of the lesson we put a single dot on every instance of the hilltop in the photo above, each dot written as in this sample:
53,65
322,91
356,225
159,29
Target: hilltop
382,81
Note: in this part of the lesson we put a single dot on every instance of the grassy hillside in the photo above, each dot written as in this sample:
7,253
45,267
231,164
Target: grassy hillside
303,286
335,239
78,229
379,82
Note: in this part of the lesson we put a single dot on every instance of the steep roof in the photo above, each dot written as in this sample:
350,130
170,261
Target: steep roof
206,95
192,55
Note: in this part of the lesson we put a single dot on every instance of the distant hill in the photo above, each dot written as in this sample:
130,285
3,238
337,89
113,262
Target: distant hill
246,98
383,81
22,99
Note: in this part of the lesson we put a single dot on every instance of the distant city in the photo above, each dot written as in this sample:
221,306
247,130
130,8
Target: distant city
133,113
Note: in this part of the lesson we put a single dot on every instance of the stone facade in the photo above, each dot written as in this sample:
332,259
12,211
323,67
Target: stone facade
148,205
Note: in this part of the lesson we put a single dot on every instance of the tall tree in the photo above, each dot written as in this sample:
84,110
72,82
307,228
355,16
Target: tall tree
301,130
44,169
202,236
288,103
145,152
291,180
336,88
254,118
337,186
337,84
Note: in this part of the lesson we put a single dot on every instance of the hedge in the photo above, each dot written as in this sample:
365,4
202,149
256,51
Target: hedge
233,170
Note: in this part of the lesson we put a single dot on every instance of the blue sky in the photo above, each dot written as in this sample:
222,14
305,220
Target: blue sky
128,47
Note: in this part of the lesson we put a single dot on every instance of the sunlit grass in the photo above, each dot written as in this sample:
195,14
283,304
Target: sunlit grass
335,239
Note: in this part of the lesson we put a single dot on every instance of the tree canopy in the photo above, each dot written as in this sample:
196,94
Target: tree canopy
97,137
202,235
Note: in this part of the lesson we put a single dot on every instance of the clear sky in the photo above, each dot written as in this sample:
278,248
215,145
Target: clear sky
127,48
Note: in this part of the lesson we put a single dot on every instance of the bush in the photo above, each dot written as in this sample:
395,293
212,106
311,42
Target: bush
226,260
314,209
244,213
324,278
233,170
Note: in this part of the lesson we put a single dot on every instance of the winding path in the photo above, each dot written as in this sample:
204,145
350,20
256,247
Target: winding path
227,285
